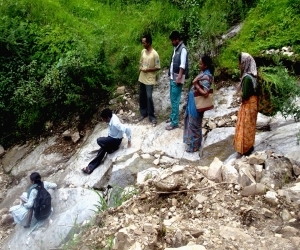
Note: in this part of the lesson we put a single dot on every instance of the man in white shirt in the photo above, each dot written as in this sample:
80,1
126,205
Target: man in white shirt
111,143
178,72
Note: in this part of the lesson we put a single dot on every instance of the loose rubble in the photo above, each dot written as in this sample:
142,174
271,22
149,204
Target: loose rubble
199,207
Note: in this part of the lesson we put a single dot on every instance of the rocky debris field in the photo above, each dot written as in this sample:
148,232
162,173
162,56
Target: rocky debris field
245,207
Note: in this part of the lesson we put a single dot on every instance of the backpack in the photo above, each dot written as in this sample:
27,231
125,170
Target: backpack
42,203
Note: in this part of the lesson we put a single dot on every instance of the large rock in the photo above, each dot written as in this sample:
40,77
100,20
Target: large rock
218,144
278,172
282,140
14,155
71,208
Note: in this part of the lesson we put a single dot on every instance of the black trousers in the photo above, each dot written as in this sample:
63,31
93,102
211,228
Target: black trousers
146,101
107,145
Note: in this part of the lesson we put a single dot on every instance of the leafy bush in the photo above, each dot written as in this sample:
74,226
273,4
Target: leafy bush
281,90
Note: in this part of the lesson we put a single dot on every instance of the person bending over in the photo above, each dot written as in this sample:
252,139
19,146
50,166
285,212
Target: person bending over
110,143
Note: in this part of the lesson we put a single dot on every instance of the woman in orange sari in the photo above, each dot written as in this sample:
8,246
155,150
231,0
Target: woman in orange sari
246,124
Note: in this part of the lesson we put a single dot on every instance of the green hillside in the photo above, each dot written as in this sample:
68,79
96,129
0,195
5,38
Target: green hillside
63,58
273,24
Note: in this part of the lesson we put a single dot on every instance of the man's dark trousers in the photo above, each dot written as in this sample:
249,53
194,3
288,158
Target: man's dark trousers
146,101
107,145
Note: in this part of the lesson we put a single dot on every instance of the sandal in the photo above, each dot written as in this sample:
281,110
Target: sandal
86,170
171,127
154,122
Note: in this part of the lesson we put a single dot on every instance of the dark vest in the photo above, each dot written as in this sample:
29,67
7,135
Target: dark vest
177,61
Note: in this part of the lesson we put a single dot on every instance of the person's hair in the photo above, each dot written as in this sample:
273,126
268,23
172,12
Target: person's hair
35,177
240,57
148,38
174,35
106,113
207,61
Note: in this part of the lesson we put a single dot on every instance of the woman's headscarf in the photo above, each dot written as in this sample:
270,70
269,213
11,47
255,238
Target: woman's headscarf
248,67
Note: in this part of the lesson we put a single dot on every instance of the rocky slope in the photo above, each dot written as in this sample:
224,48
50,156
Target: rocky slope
182,206
213,200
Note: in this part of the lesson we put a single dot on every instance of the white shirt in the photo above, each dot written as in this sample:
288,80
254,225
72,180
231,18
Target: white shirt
116,128
182,60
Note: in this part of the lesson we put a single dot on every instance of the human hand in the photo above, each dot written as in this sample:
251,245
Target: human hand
206,94
178,80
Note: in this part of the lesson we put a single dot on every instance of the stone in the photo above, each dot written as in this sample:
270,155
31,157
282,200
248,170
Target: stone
123,240
212,125
221,123
235,234
295,241
289,231
258,172
66,134
271,198
75,137
254,189
245,177
136,246
148,228
257,158
215,170
120,90
233,118
285,215
2,151
278,171
179,239
156,162
6,219
4,211
267,213
174,202
146,156
296,169
168,161
229,174
198,200
177,169
285,48
288,53
292,193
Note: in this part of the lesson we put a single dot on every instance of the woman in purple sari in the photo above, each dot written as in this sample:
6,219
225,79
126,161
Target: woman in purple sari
193,119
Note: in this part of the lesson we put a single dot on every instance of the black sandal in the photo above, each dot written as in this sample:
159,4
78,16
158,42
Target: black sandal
86,170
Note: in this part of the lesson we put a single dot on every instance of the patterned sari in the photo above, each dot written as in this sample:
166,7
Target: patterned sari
192,134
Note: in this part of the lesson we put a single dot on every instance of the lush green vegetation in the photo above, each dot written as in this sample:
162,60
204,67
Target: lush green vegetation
278,91
62,58
272,24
